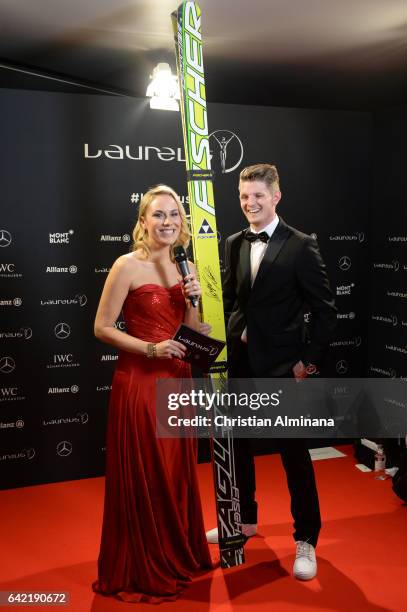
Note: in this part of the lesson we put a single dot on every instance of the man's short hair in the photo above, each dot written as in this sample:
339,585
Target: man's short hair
262,172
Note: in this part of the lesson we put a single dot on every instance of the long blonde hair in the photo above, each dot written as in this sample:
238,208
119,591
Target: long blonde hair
140,236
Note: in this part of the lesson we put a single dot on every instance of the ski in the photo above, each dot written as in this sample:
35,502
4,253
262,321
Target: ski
186,22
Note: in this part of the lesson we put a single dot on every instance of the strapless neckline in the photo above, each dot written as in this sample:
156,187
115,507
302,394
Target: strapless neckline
156,285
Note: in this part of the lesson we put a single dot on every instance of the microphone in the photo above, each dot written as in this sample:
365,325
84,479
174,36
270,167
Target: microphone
182,264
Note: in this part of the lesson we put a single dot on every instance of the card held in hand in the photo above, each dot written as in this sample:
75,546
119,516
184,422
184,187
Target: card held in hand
202,350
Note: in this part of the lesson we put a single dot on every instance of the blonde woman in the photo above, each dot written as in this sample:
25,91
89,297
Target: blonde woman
153,537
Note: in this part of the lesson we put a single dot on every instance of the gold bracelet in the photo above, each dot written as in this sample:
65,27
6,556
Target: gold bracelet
151,350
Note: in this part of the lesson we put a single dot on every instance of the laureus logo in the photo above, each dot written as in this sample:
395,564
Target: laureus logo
229,149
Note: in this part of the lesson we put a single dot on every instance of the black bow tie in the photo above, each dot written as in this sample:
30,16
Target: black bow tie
252,237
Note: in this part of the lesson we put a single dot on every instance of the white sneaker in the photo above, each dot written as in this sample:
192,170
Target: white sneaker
305,564
248,530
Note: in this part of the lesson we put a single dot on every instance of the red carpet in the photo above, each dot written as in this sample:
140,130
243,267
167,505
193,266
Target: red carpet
50,538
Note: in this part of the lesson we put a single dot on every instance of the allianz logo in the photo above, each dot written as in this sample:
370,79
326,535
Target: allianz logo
24,333
346,315
136,153
394,265
390,319
60,237
390,373
81,418
15,302
345,289
25,454
63,270
109,358
57,390
356,341
109,238
78,300
358,237
19,424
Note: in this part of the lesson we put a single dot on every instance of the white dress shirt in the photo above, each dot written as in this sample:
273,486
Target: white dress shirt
257,250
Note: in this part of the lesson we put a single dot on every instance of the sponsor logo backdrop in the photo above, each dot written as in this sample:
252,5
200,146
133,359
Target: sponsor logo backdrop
74,168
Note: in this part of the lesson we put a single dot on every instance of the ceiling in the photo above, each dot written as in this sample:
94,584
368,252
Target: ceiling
310,53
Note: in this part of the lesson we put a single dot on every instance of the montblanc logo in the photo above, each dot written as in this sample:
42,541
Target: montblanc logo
63,360
389,319
78,300
358,237
393,265
81,418
10,394
383,372
345,289
5,238
15,302
24,333
59,390
64,270
346,315
136,153
356,341
64,448
25,454
229,150
7,365
62,331
345,263
109,358
109,238
8,270
60,237
206,231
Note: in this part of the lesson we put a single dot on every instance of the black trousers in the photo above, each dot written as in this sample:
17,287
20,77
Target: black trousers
298,468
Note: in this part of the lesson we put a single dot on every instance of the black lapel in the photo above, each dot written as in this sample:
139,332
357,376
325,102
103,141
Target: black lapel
243,267
276,243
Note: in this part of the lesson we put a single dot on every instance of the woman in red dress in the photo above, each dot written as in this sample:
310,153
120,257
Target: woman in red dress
153,537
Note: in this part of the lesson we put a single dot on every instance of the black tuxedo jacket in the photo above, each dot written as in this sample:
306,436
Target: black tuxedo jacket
290,279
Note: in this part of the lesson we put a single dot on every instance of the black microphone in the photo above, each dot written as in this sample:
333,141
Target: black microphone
182,264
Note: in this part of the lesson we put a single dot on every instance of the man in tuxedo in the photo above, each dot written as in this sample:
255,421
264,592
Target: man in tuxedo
273,272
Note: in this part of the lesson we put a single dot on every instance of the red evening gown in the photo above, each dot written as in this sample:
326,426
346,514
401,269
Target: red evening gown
153,536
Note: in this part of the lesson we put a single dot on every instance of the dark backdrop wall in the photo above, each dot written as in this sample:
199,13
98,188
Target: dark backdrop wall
73,170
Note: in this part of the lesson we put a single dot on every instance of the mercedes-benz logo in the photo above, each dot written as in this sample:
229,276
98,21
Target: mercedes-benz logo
230,148
64,448
7,365
62,331
342,366
5,238
345,263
